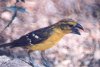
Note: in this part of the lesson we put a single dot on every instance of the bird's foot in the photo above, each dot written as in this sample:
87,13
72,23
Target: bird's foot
45,61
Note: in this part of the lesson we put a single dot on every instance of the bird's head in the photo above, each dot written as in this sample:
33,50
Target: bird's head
69,26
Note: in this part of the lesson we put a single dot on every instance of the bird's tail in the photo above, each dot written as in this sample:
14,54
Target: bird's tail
5,45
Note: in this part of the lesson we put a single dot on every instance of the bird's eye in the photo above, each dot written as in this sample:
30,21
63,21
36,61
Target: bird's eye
63,26
70,25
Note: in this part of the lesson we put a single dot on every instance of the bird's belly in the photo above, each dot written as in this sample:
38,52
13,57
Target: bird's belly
42,46
50,42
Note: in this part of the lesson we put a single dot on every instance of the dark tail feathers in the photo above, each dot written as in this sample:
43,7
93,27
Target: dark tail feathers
5,45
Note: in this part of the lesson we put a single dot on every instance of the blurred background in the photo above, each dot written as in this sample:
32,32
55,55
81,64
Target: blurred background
72,50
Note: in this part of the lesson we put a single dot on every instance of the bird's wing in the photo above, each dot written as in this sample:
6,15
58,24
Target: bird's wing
34,37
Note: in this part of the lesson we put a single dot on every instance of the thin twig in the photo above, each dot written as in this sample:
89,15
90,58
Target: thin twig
13,17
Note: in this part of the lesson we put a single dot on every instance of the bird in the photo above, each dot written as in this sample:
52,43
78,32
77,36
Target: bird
45,38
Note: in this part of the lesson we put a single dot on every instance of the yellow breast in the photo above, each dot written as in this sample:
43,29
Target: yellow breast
50,42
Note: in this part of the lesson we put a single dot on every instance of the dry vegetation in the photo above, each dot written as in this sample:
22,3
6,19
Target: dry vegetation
73,50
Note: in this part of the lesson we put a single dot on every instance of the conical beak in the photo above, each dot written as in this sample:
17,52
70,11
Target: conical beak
76,28
79,26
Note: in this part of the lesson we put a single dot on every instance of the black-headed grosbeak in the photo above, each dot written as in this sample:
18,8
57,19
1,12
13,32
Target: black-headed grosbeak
47,37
